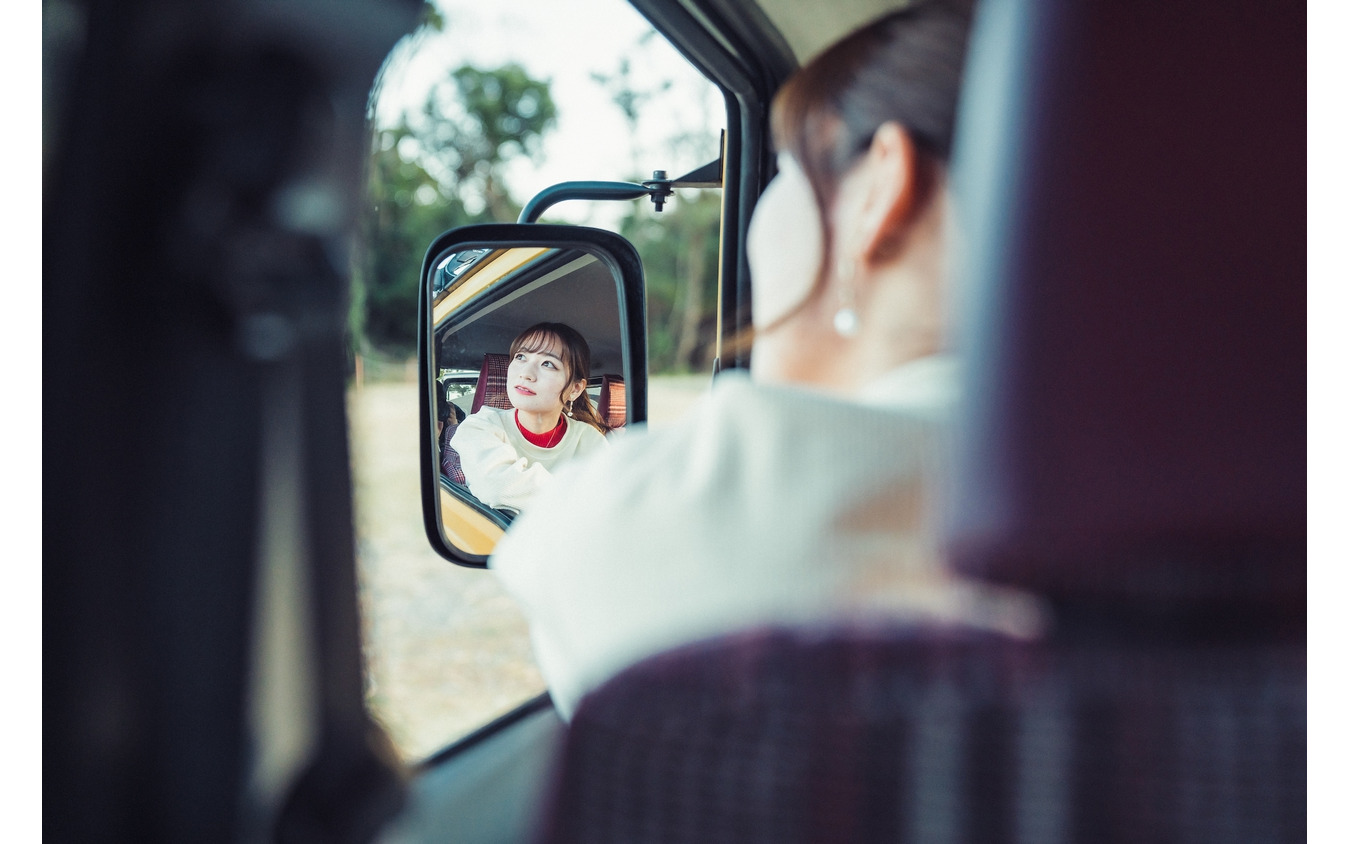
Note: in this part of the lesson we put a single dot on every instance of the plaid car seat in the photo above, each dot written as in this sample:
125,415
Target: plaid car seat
918,735
613,405
490,390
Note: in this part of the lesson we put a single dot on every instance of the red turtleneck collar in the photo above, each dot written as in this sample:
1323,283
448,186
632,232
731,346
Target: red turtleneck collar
548,439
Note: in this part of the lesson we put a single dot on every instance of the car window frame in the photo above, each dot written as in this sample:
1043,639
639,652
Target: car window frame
739,51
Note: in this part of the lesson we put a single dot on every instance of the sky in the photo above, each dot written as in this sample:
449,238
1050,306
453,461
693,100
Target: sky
566,43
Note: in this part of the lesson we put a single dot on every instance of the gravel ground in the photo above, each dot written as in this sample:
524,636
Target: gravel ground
446,648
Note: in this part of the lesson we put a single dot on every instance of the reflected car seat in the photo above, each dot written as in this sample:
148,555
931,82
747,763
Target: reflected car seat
613,403
450,465
490,390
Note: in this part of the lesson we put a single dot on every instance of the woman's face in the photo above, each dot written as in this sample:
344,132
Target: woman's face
535,381
785,244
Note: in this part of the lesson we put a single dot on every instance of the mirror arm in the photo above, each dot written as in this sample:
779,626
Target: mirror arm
658,187
550,196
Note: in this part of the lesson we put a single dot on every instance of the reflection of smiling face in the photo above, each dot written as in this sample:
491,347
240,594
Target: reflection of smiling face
535,380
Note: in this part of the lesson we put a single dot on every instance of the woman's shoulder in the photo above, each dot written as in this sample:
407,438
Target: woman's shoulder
588,435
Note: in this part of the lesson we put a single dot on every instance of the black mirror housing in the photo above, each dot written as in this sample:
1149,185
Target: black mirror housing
480,285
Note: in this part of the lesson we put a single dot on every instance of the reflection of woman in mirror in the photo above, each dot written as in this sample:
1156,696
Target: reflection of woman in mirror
798,493
508,455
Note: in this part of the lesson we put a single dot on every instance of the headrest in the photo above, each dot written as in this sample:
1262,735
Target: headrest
1130,202
491,387
613,403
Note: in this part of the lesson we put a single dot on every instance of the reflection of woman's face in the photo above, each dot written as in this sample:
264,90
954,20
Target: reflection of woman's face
535,380
785,243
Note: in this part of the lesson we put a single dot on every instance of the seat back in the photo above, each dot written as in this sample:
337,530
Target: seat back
491,391
450,464
913,735
1135,305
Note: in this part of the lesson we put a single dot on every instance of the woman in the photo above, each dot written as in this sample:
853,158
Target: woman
509,455
797,494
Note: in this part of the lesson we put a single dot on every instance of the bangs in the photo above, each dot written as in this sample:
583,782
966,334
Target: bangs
539,340
559,340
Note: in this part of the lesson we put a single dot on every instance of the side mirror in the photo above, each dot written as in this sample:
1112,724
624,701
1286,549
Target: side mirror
482,285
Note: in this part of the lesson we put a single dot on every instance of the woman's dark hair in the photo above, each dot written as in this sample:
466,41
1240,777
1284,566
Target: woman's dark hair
576,361
904,67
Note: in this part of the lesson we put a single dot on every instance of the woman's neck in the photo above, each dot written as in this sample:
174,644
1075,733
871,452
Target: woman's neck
902,312
538,423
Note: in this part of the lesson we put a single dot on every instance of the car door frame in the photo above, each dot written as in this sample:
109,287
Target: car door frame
740,52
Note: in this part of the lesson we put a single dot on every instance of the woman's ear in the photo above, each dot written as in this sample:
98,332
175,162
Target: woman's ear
577,388
882,193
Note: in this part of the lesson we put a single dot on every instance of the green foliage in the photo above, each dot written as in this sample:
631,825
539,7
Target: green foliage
432,18
679,249
442,166
432,173
408,209
679,246
478,122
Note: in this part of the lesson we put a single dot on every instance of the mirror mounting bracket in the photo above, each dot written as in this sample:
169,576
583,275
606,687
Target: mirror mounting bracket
658,187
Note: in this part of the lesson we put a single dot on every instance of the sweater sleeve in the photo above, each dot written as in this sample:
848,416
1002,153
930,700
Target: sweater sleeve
494,471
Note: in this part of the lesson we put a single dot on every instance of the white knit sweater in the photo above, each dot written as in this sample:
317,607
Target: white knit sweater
505,470
763,505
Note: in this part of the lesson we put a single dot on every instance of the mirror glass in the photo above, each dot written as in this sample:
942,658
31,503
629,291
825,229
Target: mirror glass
481,294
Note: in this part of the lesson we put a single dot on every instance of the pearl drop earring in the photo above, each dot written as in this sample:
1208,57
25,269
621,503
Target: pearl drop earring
846,318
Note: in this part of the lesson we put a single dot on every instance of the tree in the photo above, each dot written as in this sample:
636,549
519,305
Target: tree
438,168
408,209
501,114
679,246
679,249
